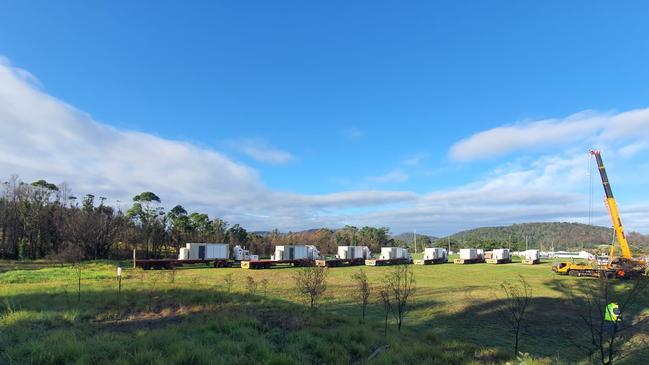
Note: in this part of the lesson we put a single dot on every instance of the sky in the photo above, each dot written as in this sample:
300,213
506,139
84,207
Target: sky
428,116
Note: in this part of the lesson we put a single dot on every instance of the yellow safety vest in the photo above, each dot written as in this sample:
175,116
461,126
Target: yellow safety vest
612,312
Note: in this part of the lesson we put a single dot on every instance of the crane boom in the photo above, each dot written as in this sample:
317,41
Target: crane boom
612,207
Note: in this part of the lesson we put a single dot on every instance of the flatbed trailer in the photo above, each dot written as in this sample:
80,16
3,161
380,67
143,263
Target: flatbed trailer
339,262
430,261
499,261
267,264
468,261
169,264
386,262
531,262
594,273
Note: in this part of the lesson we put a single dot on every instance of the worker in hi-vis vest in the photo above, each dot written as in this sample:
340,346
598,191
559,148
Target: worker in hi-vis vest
612,313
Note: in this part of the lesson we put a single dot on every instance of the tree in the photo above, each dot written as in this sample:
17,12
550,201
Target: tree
151,219
146,197
612,341
264,286
237,235
384,295
251,285
219,228
362,291
180,226
229,282
517,298
374,238
399,286
311,284
324,240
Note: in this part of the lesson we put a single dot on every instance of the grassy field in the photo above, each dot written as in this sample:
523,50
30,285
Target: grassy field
187,316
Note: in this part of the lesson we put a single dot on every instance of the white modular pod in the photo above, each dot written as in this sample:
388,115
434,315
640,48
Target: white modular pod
532,255
391,253
292,252
183,254
208,251
402,253
301,252
278,255
218,251
343,252
386,253
468,254
434,253
361,252
353,252
501,254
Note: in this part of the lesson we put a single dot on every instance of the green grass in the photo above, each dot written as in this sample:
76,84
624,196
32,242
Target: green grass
189,318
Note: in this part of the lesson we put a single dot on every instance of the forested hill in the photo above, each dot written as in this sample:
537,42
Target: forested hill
408,238
560,236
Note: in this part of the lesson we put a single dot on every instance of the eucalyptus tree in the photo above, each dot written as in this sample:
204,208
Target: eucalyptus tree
146,213
237,235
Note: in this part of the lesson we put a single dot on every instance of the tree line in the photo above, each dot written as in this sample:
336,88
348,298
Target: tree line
44,220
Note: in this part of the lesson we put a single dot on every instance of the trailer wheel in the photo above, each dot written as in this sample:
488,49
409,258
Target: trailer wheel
573,273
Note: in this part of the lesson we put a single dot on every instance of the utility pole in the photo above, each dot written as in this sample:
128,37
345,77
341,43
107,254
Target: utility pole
449,244
415,237
525,243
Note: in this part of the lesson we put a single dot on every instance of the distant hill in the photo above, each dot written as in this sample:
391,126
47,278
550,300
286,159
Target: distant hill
560,236
408,238
549,235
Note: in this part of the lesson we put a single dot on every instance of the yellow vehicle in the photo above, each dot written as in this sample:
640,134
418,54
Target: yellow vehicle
622,267
576,269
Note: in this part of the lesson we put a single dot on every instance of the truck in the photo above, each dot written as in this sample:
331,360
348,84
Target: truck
470,256
291,255
347,256
623,267
391,256
433,255
213,254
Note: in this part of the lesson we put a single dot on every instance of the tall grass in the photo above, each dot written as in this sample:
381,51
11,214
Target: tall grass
190,320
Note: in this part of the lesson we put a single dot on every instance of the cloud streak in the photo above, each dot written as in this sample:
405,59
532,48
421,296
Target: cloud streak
587,126
393,176
262,152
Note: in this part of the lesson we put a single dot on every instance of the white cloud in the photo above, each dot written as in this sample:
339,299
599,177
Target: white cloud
42,137
393,176
415,159
591,127
262,152
633,148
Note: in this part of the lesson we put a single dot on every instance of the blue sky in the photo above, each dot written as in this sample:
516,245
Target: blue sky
412,116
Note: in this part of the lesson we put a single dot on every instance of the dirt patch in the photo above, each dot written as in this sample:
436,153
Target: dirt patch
165,314
285,320
137,320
